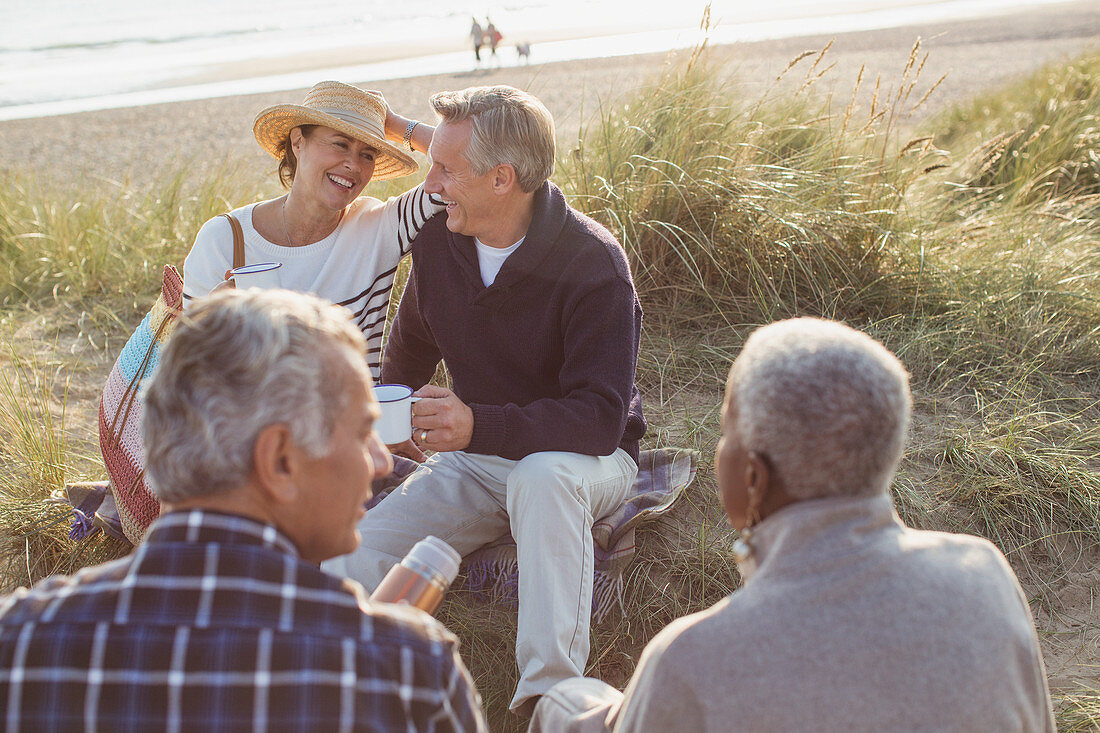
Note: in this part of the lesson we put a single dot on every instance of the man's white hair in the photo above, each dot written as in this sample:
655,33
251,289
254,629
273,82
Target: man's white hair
507,126
827,405
238,362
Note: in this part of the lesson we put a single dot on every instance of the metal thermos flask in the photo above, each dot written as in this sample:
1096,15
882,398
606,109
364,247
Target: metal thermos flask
421,578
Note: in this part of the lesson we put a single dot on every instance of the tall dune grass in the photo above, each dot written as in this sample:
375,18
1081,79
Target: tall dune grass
108,239
34,541
757,209
1034,141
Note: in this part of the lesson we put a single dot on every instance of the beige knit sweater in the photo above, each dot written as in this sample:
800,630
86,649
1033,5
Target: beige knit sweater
852,622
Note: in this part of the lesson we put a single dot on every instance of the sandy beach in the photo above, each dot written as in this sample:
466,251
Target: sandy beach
134,143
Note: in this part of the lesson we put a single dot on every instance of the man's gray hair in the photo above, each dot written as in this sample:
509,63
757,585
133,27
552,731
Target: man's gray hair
238,362
828,405
509,126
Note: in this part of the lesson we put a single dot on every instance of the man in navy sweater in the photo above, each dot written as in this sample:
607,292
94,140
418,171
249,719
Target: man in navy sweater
531,306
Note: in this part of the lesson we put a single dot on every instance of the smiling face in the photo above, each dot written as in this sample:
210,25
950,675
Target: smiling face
471,202
333,168
335,487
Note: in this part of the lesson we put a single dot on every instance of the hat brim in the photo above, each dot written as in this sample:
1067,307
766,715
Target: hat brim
273,124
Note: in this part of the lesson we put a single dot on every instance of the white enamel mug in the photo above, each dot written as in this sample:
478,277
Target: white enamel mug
258,275
396,401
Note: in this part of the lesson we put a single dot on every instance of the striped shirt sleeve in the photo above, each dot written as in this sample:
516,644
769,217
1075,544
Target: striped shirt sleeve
413,209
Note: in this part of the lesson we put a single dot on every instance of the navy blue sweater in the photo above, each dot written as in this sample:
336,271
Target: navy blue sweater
545,356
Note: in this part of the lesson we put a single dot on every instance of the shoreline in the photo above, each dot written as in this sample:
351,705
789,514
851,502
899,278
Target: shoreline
129,142
389,60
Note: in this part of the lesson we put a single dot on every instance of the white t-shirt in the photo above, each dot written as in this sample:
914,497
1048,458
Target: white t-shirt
353,267
491,259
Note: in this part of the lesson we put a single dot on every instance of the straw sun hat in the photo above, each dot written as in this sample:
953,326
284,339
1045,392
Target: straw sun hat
353,111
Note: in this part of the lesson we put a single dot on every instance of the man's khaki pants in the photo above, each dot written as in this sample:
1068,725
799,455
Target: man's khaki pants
548,501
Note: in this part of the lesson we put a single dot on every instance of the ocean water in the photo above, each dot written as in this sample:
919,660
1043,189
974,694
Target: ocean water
60,56
57,49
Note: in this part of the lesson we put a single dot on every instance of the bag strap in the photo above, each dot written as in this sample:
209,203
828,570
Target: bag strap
122,414
129,395
238,241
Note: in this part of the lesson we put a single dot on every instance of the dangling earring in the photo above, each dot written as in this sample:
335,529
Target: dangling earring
742,547
743,551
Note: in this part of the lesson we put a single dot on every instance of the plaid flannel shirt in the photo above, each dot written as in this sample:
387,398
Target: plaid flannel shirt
215,623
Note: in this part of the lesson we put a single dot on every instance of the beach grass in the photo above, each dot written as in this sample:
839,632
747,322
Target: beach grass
1079,711
1081,715
1050,151
38,458
107,241
966,244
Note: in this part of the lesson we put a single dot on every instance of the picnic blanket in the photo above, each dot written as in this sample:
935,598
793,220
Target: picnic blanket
92,506
493,571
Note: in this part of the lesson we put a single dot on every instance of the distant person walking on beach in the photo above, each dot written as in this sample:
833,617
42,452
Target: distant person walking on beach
493,36
477,35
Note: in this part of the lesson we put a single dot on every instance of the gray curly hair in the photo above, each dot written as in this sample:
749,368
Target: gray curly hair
828,405
237,362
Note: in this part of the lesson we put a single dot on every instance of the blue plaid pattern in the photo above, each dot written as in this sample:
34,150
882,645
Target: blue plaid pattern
215,623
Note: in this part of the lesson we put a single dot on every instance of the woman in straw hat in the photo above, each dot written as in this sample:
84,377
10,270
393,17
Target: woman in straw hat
329,240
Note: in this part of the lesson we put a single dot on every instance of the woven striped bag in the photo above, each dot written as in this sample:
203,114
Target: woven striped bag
120,405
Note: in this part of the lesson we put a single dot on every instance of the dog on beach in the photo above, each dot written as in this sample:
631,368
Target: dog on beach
523,51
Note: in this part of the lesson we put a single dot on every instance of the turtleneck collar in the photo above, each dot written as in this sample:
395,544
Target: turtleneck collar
809,535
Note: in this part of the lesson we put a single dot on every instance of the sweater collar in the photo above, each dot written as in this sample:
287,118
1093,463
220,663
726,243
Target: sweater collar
548,221
808,535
